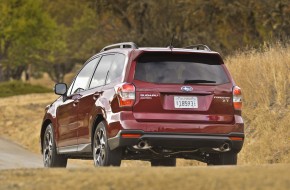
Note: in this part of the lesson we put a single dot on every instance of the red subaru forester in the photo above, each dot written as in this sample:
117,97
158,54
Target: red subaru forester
153,104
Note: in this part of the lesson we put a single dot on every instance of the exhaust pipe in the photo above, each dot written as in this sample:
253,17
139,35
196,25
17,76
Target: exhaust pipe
223,148
142,145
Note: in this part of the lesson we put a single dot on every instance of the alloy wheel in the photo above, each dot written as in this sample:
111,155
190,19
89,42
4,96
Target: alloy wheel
47,150
100,148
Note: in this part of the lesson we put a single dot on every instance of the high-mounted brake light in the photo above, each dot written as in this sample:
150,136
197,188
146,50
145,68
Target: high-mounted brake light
237,98
126,94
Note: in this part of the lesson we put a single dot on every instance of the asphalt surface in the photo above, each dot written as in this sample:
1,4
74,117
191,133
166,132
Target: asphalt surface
13,156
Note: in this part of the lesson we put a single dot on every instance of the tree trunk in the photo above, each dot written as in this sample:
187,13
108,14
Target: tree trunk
28,73
1,74
17,72
5,73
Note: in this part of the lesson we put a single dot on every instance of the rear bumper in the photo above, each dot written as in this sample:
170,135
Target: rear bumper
177,140
125,120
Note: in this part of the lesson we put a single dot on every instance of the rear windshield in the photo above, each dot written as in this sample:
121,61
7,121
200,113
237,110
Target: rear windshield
180,69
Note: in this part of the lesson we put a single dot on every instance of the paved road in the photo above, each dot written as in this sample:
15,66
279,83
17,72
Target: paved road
14,156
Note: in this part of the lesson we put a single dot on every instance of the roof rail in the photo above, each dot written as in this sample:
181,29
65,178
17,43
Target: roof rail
198,47
120,45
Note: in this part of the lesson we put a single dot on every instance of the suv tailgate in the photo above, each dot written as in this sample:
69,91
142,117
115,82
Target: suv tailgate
191,88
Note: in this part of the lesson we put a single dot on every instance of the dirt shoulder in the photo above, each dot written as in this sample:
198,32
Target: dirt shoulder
239,177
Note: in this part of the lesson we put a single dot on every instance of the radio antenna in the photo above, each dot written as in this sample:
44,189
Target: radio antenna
171,42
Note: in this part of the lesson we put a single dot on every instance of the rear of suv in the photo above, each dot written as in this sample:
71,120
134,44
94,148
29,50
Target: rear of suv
153,104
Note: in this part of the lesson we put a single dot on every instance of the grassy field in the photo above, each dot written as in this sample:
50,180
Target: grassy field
204,178
21,118
264,77
19,88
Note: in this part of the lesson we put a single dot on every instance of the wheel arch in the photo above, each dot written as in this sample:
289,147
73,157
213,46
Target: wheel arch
43,128
98,119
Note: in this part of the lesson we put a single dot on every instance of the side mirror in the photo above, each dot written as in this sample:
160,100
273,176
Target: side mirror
60,89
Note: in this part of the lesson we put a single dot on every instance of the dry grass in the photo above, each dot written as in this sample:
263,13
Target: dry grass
263,76
265,81
206,178
47,82
44,81
21,118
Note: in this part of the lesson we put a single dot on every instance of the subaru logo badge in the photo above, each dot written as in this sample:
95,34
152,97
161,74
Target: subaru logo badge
186,88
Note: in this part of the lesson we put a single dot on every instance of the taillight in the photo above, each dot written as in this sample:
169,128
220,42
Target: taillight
126,94
237,98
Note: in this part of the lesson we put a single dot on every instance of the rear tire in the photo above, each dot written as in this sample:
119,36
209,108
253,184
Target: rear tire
164,162
226,158
50,157
102,154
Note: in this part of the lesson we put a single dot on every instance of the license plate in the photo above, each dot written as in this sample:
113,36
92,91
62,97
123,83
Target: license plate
185,102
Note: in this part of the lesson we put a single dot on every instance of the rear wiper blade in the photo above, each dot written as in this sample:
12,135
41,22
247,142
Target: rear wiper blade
198,81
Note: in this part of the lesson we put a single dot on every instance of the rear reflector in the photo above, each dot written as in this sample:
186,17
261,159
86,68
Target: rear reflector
236,138
237,98
131,135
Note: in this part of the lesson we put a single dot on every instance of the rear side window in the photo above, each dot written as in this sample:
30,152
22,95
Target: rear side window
101,72
116,69
180,69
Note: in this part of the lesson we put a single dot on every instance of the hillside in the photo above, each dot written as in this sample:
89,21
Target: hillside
264,76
